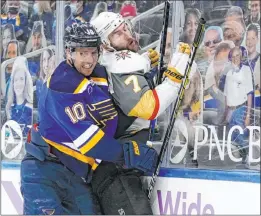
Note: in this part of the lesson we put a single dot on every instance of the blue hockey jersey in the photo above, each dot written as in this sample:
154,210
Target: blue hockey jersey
78,119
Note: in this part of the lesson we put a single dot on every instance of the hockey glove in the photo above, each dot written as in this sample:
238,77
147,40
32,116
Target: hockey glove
36,146
154,57
140,156
176,68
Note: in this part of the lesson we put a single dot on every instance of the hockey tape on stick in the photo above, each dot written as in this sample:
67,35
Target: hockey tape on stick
197,39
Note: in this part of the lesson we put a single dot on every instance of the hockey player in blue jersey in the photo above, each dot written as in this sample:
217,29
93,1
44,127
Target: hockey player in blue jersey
77,120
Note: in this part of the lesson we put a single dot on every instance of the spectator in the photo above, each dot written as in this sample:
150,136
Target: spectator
99,7
35,42
8,34
213,36
252,39
128,9
191,24
254,16
238,92
12,51
68,21
19,20
20,95
82,12
37,39
234,26
46,70
214,86
43,12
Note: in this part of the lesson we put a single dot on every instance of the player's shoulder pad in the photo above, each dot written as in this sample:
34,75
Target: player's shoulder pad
125,61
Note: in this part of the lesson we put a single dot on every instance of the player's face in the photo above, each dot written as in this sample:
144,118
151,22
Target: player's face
46,57
7,36
19,83
122,39
251,41
191,27
212,39
36,40
255,8
85,59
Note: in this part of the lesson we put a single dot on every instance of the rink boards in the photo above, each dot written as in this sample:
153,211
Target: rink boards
178,191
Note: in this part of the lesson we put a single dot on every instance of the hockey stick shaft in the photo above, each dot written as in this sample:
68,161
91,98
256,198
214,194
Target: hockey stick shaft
175,110
161,62
163,41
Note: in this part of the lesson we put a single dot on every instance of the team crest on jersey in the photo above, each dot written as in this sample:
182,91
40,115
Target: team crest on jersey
123,55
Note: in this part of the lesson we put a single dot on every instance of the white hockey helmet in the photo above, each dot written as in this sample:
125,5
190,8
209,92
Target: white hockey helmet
105,24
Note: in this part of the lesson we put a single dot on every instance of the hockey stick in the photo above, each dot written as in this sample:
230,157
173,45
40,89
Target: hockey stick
175,110
160,70
163,41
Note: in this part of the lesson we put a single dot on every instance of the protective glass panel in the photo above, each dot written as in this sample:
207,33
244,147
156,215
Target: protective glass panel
27,60
218,126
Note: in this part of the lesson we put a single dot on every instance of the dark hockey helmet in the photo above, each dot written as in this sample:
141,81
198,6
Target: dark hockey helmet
81,35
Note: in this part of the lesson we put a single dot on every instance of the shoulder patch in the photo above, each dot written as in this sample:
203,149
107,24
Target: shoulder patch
123,55
125,61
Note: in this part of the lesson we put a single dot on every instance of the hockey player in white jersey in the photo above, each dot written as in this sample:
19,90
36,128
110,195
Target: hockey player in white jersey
138,103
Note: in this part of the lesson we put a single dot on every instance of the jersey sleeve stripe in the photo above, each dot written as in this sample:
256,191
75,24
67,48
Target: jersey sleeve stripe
156,109
145,107
86,135
92,142
71,152
82,86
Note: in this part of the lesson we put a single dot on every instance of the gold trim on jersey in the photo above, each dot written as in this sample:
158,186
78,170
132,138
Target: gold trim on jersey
48,82
145,107
81,86
92,142
71,152
100,81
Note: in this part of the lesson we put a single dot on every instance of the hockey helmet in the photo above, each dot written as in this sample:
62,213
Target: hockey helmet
81,35
107,22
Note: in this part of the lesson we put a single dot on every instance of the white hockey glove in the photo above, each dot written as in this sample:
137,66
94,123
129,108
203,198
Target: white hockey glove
176,68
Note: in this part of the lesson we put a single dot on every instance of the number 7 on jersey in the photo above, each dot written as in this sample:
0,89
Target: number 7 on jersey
134,79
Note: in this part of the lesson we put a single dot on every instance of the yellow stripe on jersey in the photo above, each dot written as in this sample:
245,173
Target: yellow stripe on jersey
71,152
92,142
96,79
17,20
145,107
48,81
80,86
94,166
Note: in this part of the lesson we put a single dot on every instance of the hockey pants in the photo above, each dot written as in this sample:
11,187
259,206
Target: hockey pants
120,191
49,188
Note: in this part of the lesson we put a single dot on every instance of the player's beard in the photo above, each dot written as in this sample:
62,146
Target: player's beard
131,45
